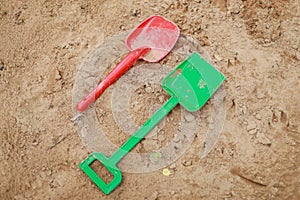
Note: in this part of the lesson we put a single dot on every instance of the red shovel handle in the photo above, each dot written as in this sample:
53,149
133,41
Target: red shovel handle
114,75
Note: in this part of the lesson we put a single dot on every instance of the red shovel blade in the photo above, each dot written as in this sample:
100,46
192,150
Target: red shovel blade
157,33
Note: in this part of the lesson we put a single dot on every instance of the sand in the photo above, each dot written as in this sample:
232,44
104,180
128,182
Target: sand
255,44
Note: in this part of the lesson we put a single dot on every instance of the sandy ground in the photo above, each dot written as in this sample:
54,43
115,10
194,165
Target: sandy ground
255,43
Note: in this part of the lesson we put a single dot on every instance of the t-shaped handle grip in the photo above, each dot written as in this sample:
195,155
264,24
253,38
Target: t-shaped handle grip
109,165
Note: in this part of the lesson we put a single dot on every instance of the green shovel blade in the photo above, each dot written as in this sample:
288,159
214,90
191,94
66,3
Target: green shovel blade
193,82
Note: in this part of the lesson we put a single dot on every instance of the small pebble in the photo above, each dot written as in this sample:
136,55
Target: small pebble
148,89
43,175
257,116
122,27
173,166
252,132
160,137
231,180
260,95
35,142
263,139
1,66
189,117
49,172
219,58
57,75
177,145
251,125
161,99
154,196
187,163
291,142
176,138
136,12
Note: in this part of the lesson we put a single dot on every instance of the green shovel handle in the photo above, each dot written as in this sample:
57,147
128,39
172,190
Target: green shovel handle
144,130
111,167
111,162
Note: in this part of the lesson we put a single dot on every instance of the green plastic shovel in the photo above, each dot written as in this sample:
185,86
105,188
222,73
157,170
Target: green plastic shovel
190,84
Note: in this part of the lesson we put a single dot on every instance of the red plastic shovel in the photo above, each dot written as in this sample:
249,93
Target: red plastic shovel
151,41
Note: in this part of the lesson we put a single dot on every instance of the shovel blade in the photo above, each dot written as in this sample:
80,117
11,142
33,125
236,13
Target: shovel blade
193,82
157,33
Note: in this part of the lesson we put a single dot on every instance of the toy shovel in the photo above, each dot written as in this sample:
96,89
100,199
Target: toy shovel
151,41
190,84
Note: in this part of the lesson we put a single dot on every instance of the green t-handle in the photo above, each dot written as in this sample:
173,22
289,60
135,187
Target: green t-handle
110,162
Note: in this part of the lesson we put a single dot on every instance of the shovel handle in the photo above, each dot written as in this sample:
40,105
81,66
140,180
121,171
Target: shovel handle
114,75
110,166
143,130
110,162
